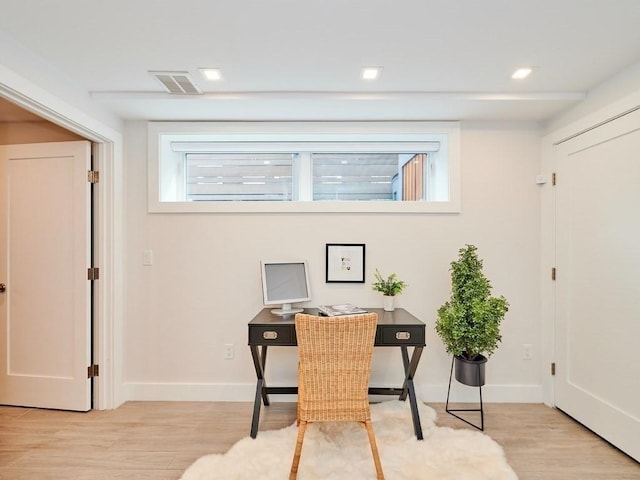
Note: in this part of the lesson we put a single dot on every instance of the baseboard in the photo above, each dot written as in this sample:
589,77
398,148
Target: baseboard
490,393
245,392
190,392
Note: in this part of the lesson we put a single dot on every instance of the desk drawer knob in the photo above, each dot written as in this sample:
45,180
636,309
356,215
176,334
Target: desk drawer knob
403,335
270,335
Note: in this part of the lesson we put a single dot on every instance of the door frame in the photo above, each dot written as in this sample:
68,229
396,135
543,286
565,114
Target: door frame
108,340
597,117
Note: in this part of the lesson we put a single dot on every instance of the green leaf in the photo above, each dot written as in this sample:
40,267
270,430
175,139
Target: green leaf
469,322
390,286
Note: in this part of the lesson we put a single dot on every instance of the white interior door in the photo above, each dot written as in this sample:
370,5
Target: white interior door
597,287
44,256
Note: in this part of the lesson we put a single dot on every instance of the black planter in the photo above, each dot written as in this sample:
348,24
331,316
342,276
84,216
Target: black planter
470,372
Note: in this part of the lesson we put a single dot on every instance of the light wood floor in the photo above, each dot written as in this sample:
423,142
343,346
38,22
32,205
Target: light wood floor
159,440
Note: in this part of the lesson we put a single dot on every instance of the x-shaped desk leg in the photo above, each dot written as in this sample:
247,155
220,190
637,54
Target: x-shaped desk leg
408,388
259,362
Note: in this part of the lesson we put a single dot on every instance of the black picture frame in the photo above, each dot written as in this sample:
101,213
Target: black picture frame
345,262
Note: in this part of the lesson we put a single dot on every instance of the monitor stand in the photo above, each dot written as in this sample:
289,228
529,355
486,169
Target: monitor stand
286,310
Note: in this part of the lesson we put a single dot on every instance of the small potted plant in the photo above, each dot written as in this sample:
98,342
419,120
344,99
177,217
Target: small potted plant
389,287
469,322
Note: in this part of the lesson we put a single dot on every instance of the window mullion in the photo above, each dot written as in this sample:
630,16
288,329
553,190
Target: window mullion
303,173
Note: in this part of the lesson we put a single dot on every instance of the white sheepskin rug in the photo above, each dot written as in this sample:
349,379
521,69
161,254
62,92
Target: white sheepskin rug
341,451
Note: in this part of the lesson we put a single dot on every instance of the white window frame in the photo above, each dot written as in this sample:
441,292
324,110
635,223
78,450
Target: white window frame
410,137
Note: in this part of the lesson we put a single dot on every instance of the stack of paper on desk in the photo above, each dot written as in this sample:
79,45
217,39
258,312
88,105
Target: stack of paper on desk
342,309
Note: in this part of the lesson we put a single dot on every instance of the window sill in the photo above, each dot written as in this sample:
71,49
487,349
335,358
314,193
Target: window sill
306,207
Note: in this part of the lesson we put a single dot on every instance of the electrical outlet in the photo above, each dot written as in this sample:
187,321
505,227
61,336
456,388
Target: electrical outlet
228,351
526,351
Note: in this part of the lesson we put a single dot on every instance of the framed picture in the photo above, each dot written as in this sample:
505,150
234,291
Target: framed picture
345,263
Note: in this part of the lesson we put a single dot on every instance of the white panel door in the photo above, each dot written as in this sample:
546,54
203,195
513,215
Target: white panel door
598,281
44,255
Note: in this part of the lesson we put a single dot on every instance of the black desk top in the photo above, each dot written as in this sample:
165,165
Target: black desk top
398,317
397,328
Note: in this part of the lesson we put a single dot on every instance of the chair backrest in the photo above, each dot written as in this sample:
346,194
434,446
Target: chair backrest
334,366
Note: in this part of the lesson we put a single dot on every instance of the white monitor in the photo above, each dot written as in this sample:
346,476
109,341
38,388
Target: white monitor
284,283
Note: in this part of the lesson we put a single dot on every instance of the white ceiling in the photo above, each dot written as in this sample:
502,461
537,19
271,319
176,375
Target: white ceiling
301,59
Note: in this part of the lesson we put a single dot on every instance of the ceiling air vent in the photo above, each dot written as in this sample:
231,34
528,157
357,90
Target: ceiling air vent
177,83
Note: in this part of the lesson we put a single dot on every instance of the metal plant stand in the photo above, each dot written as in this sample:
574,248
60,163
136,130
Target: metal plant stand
452,411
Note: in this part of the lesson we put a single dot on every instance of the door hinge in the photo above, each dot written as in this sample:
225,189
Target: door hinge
553,178
93,371
553,273
93,273
553,368
93,176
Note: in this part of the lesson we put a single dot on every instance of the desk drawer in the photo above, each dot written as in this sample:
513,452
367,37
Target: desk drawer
395,335
272,335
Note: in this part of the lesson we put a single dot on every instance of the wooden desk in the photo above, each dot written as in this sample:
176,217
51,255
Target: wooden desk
395,329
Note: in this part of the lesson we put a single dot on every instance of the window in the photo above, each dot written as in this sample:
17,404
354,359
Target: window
217,177
302,167
355,176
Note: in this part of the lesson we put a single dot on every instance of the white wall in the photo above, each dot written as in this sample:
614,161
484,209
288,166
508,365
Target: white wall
204,285
608,99
25,75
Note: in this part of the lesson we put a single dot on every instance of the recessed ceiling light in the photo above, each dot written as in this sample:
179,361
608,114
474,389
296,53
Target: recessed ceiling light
211,74
371,73
521,73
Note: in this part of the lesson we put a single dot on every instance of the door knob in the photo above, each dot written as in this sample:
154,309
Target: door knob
3,287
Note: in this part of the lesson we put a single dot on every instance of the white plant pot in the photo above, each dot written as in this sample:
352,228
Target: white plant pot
389,303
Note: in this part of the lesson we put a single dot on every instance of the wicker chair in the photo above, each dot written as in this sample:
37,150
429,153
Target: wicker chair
334,365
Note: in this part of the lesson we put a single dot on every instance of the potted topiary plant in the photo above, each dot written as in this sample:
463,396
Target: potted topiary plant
389,287
469,322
